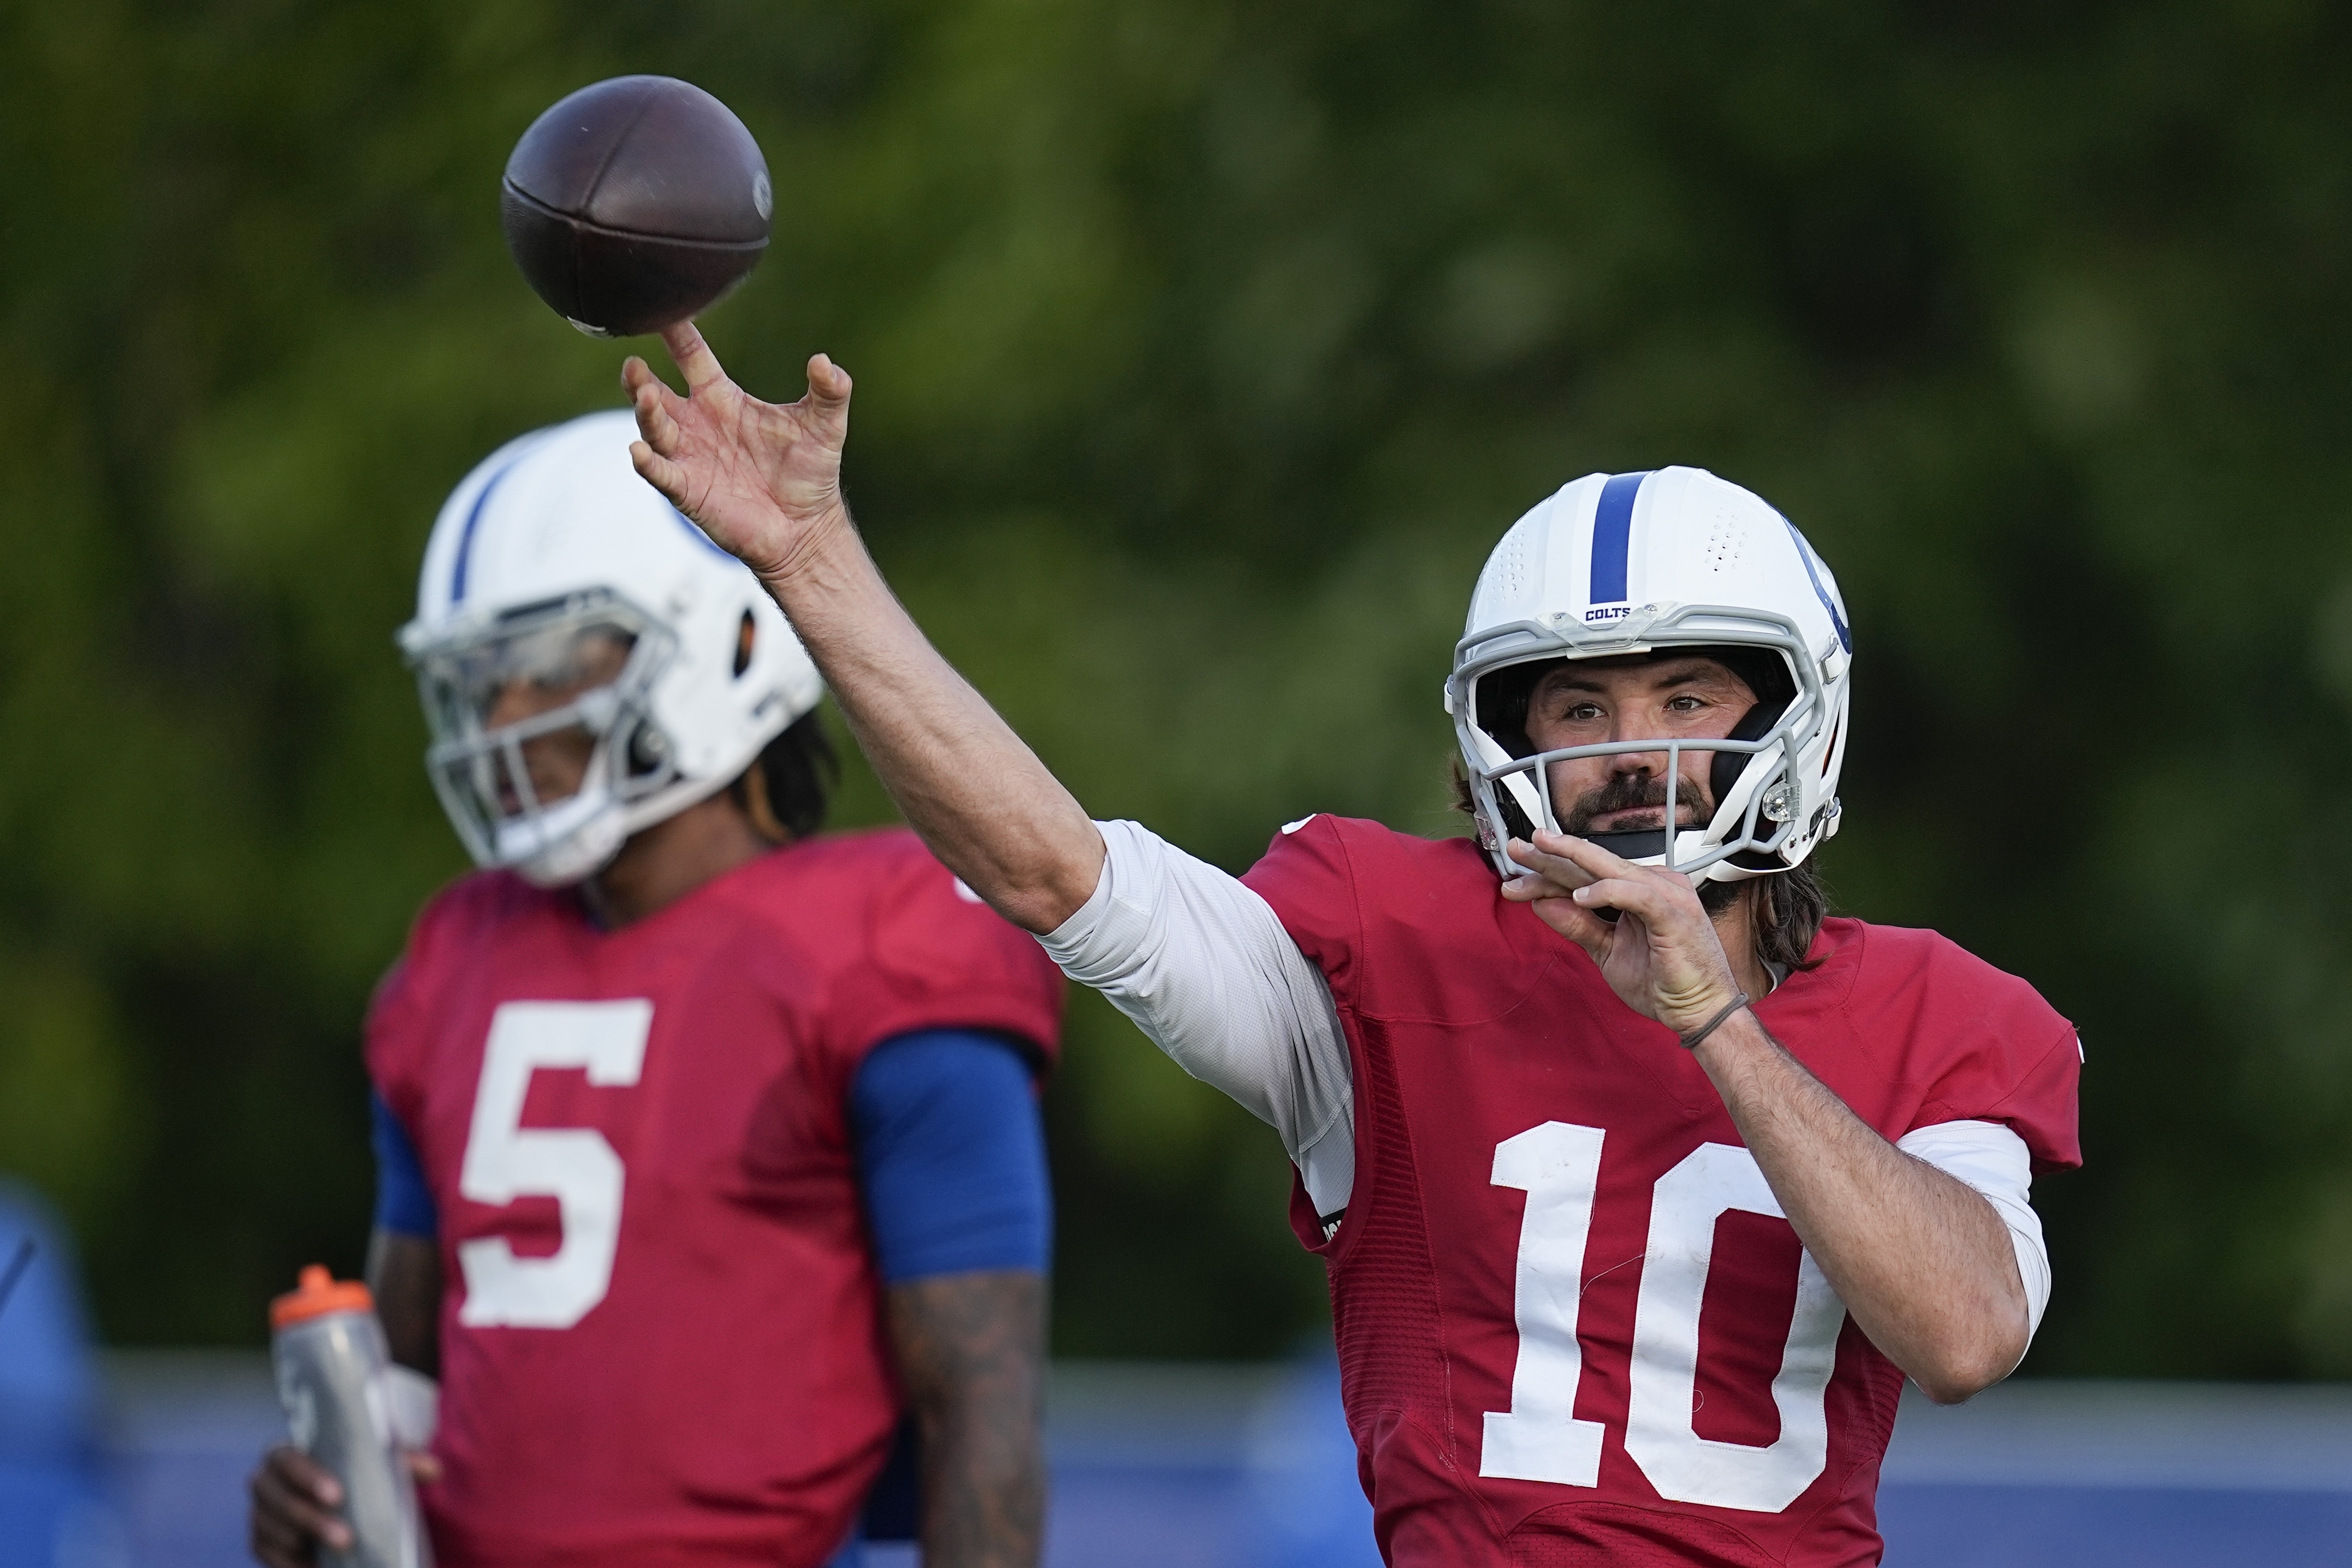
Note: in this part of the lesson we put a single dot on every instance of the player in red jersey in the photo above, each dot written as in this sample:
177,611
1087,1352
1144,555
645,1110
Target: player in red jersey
1642,1185
709,1145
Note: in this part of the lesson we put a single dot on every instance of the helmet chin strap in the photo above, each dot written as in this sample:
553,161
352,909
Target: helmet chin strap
1633,844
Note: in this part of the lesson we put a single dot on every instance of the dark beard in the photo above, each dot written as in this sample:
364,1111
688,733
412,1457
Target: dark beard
1634,791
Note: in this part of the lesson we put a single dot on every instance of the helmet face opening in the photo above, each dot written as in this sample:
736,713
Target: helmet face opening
1734,804
1698,773
541,719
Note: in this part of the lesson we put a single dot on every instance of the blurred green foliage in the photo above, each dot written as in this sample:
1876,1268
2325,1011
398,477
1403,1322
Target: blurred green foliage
1203,349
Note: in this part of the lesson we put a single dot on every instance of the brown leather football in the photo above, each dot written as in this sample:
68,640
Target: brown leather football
635,203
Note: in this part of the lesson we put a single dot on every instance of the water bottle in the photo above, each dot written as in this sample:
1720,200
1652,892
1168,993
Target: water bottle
333,1375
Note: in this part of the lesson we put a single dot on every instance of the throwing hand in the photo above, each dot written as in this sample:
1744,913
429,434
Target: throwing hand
762,479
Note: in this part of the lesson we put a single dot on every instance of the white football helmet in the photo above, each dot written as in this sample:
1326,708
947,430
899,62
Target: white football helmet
555,570
1650,562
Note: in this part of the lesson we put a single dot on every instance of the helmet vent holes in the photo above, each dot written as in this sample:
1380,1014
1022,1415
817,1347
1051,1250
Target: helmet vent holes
1725,541
746,632
1514,575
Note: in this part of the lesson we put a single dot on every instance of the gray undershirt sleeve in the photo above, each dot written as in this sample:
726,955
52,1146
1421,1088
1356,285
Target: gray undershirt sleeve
1204,968
1994,1161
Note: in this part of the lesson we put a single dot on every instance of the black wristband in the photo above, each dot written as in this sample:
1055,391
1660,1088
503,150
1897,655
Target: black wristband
1690,1041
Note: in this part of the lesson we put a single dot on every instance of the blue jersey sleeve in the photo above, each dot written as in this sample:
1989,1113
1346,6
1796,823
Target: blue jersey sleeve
952,1155
403,1202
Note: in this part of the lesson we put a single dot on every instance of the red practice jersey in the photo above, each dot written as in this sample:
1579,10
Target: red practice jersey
1573,1326
661,1337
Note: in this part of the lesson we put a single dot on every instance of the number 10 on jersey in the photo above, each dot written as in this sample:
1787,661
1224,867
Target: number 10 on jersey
1539,1437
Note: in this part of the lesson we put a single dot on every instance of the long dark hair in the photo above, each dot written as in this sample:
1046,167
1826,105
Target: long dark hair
785,791
1789,908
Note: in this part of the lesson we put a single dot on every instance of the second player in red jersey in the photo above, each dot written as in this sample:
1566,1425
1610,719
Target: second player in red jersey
1643,1185
711,1173
640,1138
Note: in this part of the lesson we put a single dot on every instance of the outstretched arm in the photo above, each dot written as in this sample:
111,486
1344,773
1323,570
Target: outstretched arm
763,480
1922,1260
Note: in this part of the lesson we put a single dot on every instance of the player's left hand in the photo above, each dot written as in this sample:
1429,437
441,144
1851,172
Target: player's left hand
1661,955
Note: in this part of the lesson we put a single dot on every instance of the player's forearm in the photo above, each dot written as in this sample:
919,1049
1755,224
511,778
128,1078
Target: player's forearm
979,798
970,1353
985,1497
1923,1263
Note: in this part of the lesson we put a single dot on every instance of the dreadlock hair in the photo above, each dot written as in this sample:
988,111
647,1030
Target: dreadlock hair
785,791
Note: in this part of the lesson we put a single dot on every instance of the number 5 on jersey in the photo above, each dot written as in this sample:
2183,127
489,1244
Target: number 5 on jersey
574,1165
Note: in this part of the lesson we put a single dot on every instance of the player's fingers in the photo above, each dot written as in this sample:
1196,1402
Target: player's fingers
1530,887
1598,865
1579,925
637,376
695,360
654,421
1534,888
274,1547
424,1465
658,471
1634,896
298,1472
1583,853
1553,867
294,1507
829,384
278,1544
293,1523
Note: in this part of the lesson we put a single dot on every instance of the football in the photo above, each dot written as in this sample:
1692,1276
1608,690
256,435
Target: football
635,203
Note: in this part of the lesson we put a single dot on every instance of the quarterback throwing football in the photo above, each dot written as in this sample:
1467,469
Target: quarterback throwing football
708,1145
1642,1185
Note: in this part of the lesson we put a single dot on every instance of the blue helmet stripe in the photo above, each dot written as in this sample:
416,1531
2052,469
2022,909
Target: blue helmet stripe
1805,554
466,539
1613,536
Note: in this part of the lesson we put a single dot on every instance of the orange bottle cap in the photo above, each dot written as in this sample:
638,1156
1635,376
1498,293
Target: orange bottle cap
318,1294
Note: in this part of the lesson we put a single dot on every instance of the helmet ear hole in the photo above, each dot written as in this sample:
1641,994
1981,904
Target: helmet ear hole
746,633
649,751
